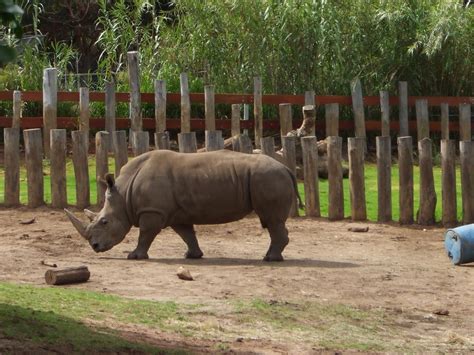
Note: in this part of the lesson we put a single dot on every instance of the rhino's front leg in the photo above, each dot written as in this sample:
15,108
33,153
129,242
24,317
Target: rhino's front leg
187,233
150,225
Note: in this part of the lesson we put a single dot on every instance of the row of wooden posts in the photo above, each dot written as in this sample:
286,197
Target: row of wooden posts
117,143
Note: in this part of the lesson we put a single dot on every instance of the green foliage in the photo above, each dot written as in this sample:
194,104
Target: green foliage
10,17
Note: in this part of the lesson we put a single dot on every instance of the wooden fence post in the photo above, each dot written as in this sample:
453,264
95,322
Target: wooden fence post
405,165
309,99
235,120
289,154
467,180
34,166
213,140
332,119
422,119
355,147
84,111
258,110
16,109
336,192
160,106
285,119
140,143
187,142
135,96
102,163
426,213
245,144
50,105
162,140
444,121
81,168
11,137
465,122
246,118
185,104
110,110
448,184
385,111
311,181
268,146
358,108
210,108
403,108
120,150
384,178
58,168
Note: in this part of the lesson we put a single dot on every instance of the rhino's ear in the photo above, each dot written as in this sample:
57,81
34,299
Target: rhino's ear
109,179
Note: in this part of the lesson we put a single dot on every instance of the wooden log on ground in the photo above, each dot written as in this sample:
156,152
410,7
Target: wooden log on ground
311,180
336,192
245,144
405,165
162,140
309,100
58,168
358,108
81,168
268,146
16,109
286,125
34,166
120,150
426,213
385,112
258,110
67,276
50,105
11,139
135,96
213,140
445,121
84,110
209,108
355,148
110,110
140,143
187,142
332,119
448,184
185,104
384,178
102,164
422,119
160,106
465,133
467,180
289,154
403,108
235,120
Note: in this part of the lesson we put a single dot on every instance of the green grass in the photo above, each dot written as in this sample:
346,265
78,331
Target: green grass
370,188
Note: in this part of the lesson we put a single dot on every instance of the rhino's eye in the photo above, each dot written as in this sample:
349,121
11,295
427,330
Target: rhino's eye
103,220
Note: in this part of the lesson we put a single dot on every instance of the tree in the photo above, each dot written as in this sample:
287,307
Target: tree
10,16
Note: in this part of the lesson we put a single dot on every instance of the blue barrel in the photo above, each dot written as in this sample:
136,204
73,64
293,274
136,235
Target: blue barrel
459,244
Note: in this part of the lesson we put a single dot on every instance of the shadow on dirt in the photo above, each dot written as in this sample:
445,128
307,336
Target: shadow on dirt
306,263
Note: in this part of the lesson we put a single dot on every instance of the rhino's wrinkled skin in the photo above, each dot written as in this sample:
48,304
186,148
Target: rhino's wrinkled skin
163,189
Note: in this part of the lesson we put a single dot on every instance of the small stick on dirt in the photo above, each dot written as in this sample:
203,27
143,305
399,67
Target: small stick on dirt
28,221
358,229
47,263
67,276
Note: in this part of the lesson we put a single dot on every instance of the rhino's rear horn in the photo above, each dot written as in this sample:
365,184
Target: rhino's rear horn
89,214
77,223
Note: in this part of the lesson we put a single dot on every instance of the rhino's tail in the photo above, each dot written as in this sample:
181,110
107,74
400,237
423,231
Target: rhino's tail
295,186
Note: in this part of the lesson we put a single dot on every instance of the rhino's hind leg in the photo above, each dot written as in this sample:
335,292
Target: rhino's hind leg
279,240
150,225
187,233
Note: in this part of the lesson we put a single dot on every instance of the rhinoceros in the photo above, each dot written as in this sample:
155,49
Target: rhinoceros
163,188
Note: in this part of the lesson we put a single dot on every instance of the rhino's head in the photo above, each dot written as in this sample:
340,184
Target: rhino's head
108,227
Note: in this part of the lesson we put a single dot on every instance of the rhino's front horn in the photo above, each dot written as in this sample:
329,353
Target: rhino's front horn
76,222
91,215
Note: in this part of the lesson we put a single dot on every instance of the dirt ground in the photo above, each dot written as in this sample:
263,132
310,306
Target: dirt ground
402,270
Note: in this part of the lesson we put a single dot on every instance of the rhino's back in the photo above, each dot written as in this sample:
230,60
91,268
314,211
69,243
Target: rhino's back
204,188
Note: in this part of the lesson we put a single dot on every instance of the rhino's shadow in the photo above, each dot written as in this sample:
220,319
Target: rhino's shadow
307,263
